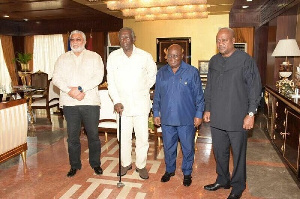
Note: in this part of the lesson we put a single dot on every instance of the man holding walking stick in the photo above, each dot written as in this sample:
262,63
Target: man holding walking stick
130,75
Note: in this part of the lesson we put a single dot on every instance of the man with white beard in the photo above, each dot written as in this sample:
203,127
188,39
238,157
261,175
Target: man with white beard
77,74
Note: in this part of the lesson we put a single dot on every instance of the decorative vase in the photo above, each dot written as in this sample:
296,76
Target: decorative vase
25,67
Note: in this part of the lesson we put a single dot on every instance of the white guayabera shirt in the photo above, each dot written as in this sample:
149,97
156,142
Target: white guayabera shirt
130,79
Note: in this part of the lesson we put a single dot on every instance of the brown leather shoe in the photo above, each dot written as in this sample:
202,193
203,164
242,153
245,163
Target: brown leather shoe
124,170
143,173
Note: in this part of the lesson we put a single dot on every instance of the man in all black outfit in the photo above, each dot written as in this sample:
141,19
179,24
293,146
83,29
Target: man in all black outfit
232,96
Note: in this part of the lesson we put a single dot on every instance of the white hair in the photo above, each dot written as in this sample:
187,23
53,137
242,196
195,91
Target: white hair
78,32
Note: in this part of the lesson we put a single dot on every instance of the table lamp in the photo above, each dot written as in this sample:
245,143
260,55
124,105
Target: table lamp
286,48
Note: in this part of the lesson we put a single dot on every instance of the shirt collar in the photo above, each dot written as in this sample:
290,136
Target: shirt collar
181,67
133,51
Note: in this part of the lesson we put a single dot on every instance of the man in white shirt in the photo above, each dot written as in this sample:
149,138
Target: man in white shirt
131,72
77,74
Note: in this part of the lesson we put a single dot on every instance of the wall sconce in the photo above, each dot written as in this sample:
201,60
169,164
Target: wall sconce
286,48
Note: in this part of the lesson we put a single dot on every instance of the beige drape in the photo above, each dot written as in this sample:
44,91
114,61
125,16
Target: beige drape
28,48
8,53
66,38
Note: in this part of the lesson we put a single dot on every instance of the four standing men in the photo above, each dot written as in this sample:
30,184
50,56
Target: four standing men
178,107
232,95
130,75
77,74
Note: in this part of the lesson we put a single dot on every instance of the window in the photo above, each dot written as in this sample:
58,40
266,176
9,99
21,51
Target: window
46,50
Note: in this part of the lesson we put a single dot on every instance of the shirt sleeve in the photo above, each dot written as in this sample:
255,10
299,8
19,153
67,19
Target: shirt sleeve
157,98
59,78
112,89
253,83
98,74
151,71
207,92
198,95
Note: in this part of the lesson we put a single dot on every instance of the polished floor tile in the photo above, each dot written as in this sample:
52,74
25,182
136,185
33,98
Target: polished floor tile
44,174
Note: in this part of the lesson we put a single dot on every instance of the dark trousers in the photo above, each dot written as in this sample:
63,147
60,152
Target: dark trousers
222,140
186,135
89,116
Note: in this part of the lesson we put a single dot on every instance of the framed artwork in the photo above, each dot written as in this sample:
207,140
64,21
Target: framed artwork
162,45
203,66
111,49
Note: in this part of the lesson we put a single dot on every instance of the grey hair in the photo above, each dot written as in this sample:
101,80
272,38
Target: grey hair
127,28
228,29
78,32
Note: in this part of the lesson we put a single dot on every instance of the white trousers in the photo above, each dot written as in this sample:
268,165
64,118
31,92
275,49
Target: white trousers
140,126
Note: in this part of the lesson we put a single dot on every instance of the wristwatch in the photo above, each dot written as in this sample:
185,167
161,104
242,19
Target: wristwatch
251,114
80,89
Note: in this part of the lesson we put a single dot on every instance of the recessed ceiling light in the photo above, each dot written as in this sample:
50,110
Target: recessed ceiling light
25,19
6,16
249,0
245,6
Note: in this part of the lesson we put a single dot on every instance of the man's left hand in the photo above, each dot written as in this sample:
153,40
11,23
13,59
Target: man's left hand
248,122
197,122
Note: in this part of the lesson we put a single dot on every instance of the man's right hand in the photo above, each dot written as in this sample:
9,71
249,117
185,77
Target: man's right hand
119,108
206,116
75,93
157,121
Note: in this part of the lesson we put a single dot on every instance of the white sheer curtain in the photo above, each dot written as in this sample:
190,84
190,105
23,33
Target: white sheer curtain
5,80
46,50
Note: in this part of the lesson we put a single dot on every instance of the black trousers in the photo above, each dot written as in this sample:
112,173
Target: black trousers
222,140
89,116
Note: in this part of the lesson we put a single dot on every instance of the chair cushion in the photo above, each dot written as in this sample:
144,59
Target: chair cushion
111,125
41,102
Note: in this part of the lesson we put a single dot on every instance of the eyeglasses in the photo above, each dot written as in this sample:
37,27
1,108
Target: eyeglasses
77,39
124,38
173,56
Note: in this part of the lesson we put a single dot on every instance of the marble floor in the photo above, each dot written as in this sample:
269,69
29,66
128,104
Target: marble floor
44,174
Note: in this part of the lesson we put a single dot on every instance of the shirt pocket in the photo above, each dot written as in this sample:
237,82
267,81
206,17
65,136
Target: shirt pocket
185,86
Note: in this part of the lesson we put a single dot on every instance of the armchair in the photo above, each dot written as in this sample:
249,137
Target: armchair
107,120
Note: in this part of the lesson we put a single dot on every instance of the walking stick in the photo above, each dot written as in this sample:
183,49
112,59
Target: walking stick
120,184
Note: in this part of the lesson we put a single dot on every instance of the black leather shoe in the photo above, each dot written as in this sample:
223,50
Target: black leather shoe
216,186
166,177
98,170
71,173
234,196
187,180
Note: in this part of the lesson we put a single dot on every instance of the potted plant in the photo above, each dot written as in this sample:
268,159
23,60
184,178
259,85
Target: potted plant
23,59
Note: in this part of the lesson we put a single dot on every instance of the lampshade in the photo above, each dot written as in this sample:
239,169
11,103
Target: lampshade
286,48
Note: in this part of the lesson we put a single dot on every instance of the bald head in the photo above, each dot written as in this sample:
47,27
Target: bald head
229,31
225,40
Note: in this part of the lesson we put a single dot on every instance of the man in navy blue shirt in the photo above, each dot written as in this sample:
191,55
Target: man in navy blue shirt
178,107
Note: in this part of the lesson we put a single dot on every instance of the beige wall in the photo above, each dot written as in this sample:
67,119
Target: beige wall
201,31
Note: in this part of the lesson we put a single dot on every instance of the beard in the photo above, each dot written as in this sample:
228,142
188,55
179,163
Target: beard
78,49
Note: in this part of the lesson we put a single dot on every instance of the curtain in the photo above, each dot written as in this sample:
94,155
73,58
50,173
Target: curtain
5,79
66,41
28,48
8,56
46,50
